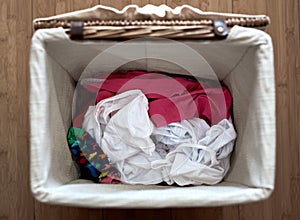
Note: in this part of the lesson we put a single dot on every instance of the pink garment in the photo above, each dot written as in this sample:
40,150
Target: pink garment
171,99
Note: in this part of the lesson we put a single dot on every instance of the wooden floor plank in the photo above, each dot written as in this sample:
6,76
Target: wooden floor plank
230,213
49,212
142,3
119,4
63,6
24,201
43,8
4,122
6,91
205,5
197,213
136,214
155,2
15,27
95,214
249,7
292,26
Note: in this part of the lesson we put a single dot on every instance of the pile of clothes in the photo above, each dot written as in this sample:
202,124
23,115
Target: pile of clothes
151,128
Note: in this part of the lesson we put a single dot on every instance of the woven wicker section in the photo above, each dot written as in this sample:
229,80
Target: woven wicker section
152,21
150,31
259,22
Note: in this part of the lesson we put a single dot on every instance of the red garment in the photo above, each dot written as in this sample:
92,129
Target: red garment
77,121
171,99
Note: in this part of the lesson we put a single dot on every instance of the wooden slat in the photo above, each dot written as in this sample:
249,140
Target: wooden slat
204,5
42,8
47,212
63,6
145,2
140,2
15,32
95,214
292,66
5,94
136,214
230,213
119,4
157,2
19,159
249,7
197,213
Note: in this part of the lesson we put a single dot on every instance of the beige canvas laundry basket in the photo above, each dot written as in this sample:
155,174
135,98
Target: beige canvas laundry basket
232,45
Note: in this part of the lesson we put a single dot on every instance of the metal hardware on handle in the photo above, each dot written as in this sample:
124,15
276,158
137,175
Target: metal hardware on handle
220,28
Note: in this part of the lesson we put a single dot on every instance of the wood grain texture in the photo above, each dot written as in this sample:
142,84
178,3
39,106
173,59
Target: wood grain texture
135,214
293,48
205,5
19,158
63,6
15,32
5,93
16,201
197,213
119,4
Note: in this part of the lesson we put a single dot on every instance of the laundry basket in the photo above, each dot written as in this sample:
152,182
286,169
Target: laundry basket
231,45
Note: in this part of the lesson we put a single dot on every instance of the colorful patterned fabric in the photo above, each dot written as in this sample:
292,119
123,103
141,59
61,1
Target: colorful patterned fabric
92,161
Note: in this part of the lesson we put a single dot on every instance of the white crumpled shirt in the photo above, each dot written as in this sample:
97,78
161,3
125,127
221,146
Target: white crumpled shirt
186,152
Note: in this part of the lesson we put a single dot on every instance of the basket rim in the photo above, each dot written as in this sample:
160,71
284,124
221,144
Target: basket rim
149,15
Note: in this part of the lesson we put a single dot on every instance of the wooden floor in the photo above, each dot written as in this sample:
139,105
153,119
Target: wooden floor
16,201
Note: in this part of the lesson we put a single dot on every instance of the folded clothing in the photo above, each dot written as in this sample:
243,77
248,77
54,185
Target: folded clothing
171,99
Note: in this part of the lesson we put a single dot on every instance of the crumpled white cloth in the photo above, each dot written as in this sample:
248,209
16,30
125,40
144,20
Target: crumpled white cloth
167,138
122,127
201,157
128,131
186,152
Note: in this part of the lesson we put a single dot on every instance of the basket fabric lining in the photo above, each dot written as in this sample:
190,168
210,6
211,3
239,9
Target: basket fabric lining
244,62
